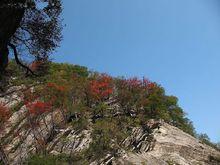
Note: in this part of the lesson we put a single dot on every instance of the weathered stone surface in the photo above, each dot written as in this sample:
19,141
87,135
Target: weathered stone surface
70,141
172,146
140,141
12,96
157,144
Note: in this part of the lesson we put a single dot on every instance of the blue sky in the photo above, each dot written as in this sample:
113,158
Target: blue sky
173,42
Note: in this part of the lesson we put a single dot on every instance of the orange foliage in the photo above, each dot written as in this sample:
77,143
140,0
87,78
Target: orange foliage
135,83
101,88
56,87
35,65
37,108
148,84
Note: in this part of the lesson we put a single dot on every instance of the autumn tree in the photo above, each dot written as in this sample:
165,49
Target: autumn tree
29,27
101,88
58,95
132,93
36,114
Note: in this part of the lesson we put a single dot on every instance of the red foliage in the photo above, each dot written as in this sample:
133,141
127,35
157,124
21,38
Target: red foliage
29,96
37,108
35,65
56,87
148,84
51,85
135,83
101,88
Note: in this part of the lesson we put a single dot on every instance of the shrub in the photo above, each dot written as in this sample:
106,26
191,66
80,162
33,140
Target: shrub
48,160
107,135
214,159
80,124
38,108
101,88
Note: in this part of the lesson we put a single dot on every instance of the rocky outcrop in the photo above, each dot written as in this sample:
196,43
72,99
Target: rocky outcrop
69,141
158,143
18,146
162,144
172,146
12,96
142,139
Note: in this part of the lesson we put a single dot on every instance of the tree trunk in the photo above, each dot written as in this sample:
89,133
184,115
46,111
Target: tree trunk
10,19
3,58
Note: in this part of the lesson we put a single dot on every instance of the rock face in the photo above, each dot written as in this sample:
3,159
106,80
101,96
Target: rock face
172,146
19,147
157,144
163,145
12,96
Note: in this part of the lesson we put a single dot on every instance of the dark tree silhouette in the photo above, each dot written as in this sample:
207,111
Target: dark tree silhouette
30,28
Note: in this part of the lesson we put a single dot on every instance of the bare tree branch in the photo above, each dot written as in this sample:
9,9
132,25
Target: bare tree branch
18,61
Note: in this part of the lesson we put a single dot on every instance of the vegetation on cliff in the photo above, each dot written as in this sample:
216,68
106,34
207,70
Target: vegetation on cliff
109,106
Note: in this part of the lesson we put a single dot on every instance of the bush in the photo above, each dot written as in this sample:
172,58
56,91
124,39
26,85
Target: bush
48,160
106,137
115,104
214,159
80,124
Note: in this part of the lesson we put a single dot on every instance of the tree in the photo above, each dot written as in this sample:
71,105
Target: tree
204,138
218,145
30,27
101,88
133,93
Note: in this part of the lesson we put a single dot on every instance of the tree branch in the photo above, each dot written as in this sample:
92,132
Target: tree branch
18,61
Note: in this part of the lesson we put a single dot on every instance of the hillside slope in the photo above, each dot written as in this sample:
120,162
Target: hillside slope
74,116
157,144
173,146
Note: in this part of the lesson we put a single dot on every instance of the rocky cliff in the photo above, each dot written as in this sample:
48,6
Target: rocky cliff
158,143
172,146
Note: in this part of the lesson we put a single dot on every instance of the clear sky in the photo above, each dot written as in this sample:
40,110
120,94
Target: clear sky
173,42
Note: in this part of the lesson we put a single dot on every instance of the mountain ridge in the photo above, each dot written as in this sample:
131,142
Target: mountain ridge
73,116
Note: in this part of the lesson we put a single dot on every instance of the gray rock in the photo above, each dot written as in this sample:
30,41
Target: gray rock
158,144
172,146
